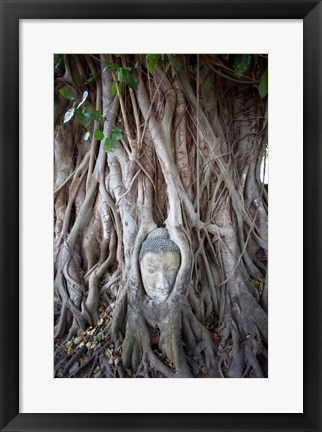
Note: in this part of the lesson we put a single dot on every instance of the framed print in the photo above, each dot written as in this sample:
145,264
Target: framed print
147,288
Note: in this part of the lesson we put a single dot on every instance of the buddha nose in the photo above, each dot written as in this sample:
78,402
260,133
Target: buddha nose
163,283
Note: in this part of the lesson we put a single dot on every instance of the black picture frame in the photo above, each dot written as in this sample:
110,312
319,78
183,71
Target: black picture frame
11,12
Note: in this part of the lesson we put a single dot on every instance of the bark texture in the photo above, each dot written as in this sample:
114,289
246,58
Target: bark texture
193,141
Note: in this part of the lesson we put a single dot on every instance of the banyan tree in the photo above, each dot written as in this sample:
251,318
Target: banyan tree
160,215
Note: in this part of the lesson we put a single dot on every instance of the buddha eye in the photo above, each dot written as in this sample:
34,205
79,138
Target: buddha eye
151,271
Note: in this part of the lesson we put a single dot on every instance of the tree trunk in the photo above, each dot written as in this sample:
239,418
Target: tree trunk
175,142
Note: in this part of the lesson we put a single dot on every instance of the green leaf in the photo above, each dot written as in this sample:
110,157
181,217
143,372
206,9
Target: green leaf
109,144
263,85
98,337
69,114
66,94
86,136
122,72
208,84
117,133
130,81
84,118
96,115
85,94
151,62
176,63
98,134
241,64
110,66
114,86
91,79
124,75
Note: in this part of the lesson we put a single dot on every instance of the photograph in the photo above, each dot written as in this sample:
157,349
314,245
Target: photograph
160,189
160,199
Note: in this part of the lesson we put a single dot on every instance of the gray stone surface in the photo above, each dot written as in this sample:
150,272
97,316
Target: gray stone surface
159,264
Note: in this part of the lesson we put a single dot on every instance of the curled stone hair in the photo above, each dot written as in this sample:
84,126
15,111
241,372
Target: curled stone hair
158,241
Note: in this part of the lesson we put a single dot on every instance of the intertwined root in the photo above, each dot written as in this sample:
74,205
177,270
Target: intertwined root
242,350
199,342
189,159
137,351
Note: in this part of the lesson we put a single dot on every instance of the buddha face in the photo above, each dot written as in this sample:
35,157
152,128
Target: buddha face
159,271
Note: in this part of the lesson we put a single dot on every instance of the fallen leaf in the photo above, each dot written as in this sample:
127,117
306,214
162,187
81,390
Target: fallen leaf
109,353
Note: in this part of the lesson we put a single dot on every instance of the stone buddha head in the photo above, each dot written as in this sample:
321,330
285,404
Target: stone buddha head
159,264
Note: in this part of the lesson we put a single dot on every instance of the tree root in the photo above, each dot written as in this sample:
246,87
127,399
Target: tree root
240,354
136,348
188,159
198,339
75,357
